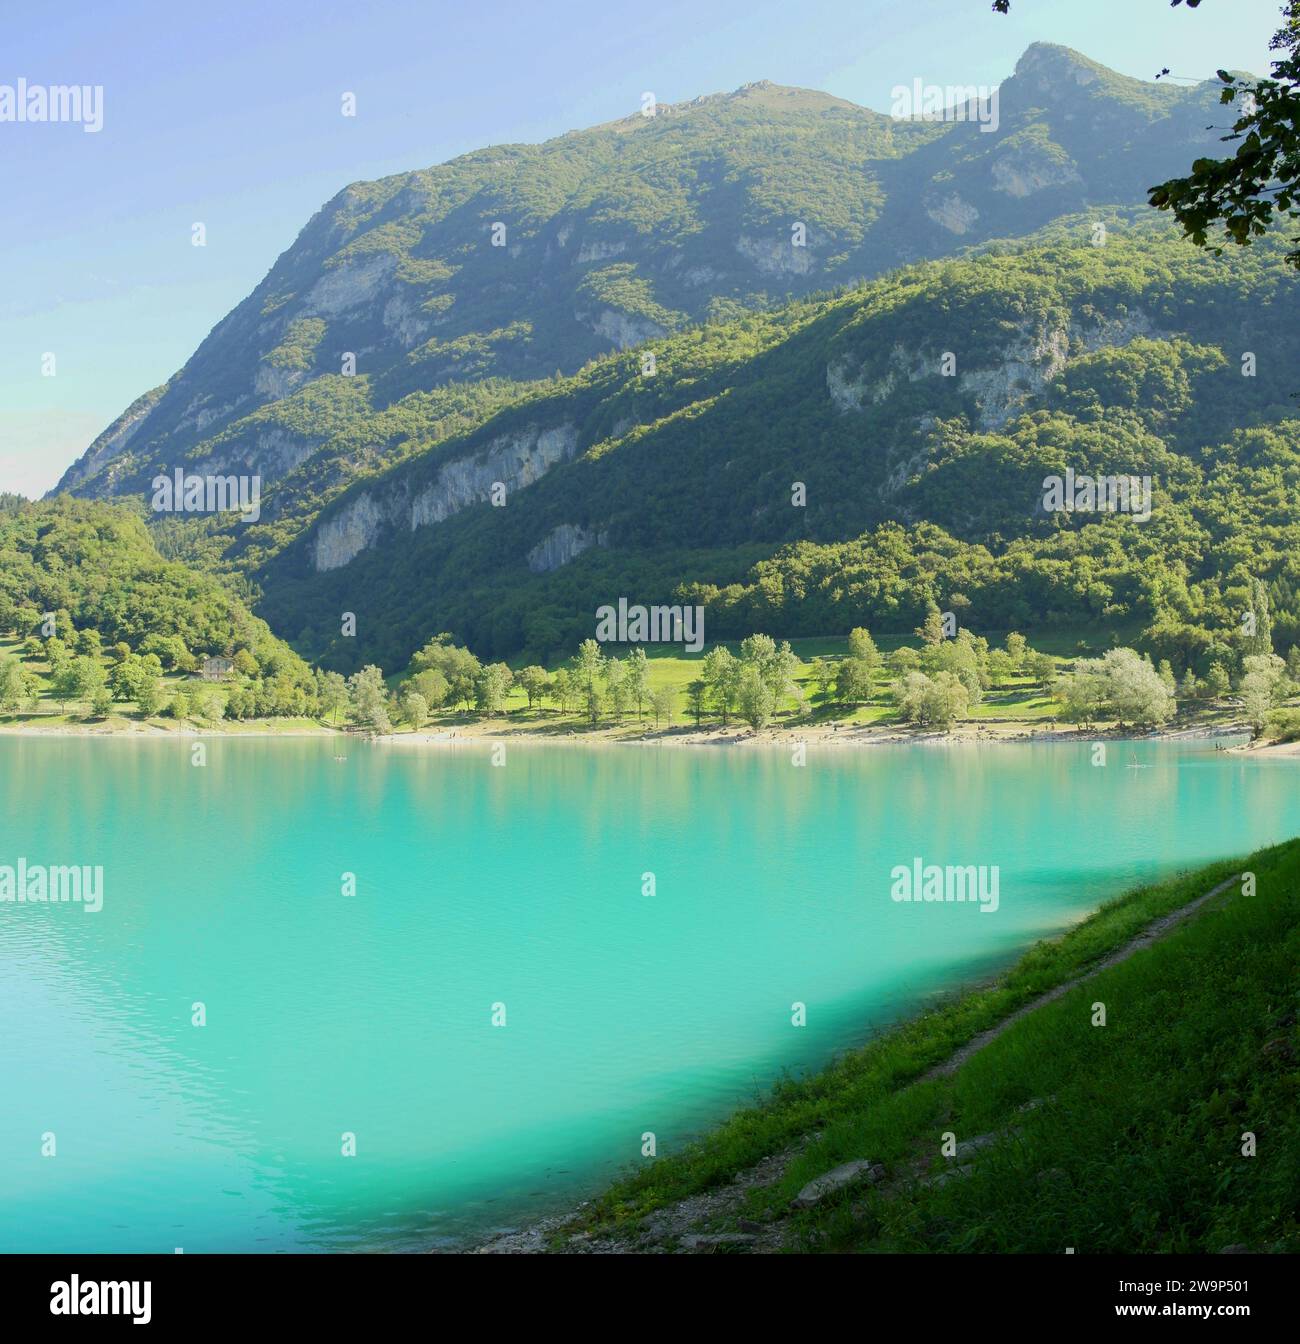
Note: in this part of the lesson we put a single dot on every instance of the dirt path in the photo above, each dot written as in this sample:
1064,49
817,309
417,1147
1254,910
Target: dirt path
1151,934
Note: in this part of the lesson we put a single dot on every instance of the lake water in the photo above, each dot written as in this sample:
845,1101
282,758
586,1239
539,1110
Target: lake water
372,1014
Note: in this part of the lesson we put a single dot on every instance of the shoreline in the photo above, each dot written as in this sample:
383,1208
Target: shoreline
970,733
714,1218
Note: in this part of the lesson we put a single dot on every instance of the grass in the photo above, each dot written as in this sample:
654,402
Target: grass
1137,1143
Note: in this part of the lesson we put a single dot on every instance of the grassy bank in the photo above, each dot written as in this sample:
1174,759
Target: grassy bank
1118,1137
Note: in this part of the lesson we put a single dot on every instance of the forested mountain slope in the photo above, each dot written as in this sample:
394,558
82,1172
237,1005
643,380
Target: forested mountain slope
1141,356
617,235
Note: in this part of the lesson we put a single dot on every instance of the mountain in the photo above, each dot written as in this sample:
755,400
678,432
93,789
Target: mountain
618,235
974,312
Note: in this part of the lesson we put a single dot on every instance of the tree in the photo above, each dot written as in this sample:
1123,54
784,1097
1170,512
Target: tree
332,693
617,692
1135,691
823,676
961,657
638,678
534,681
17,685
1120,685
1000,666
147,695
458,666
80,679
1243,194
931,629
1016,647
937,701
125,675
1083,693
1217,681
906,693
171,650
863,648
431,684
588,669
56,655
1042,667
369,697
775,664
1263,685
562,689
754,697
663,703
1259,642
902,661
414,707
245,664
696,692
853,681
88,641
206,702
722,676
491,688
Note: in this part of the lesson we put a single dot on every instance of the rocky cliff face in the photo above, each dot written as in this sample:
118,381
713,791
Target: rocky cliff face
1034,354
561,545
513,462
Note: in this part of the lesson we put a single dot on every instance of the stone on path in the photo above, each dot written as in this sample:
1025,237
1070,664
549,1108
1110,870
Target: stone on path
850,1173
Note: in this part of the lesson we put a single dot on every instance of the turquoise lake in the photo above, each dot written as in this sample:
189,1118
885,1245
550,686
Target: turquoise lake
372,1014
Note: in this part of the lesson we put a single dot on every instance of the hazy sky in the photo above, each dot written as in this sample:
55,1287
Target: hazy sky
229,114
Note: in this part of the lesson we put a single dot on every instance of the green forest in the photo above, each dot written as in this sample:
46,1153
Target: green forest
735,478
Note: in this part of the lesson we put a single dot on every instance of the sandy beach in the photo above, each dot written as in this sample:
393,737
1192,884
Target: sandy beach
788,736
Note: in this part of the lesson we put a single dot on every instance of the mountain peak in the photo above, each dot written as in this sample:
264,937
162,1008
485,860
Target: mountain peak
763,93
1046,61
